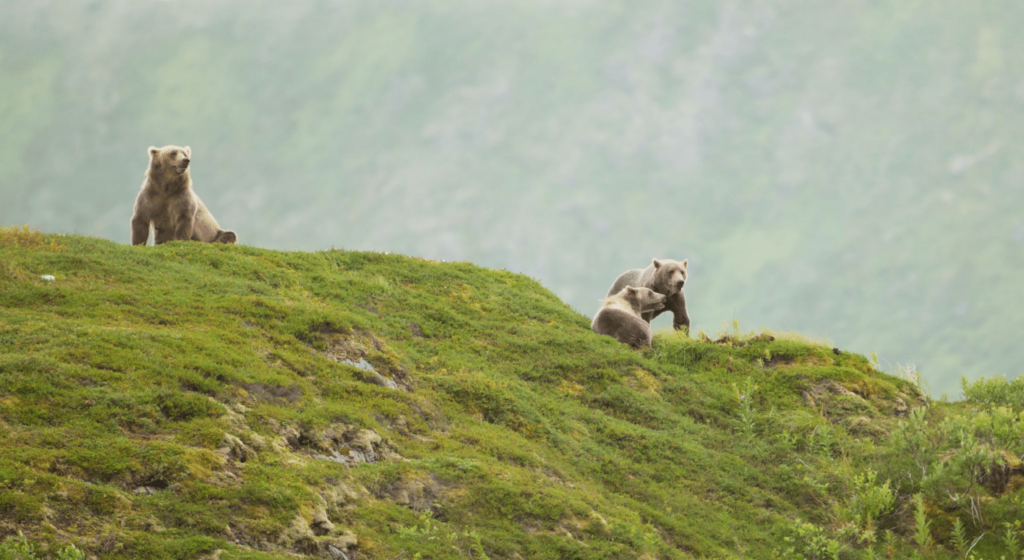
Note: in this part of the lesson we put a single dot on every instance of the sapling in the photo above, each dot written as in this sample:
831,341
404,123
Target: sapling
1011,542
959,539
746,405
923,536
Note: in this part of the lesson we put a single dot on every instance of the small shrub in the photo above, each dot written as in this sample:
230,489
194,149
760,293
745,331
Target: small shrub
923,535
918,439
430,536
1011,542
745,400
995,391
870,500
19,548
811,542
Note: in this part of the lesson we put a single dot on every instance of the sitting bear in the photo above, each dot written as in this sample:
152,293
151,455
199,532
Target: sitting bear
169,203
619,316
665,277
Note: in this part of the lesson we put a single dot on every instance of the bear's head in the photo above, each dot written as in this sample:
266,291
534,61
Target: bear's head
642,299
669,276
170,160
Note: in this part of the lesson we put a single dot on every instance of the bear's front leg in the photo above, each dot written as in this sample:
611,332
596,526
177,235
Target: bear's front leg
184,222
677,305
140,230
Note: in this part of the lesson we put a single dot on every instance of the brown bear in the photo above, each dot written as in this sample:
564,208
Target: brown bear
169,203
665,277
620,315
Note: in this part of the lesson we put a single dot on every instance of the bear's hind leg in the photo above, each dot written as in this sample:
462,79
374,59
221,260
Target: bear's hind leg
226,236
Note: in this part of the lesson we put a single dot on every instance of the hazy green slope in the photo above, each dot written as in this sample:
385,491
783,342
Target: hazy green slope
172,401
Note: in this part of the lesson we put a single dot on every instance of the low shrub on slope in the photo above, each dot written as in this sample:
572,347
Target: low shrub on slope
193,400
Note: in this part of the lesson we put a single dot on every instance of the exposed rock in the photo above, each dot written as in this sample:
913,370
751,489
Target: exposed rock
299,530
234,449
345,541
900,408
321,524
353,350
418,493
376,378
826,387
1007,474
341,494
255,441
864,426
342,443
225,478
291,435
339,546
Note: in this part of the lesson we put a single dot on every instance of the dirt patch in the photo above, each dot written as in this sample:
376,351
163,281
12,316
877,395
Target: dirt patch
418,493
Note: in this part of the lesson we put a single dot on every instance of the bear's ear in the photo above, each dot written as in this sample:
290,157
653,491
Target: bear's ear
656,263
631,290
685,263
188,152
153,151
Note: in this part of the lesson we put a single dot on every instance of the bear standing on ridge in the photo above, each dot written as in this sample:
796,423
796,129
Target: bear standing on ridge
169,203
665,277
619,316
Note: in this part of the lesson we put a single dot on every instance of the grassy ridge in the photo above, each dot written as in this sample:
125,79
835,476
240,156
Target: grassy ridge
176,401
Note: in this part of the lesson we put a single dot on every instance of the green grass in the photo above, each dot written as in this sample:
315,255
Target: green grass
176,401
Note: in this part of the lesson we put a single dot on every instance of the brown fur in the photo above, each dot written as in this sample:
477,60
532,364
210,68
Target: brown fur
619,316
665,277
168,202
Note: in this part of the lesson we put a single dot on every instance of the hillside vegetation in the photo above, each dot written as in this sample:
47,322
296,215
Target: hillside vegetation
193,400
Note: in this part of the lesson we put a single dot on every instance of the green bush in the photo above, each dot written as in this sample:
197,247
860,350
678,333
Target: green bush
995,391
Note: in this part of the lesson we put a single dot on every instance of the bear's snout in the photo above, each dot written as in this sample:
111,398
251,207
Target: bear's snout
657,305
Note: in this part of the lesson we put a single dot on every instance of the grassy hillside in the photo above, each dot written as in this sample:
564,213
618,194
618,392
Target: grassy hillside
194,400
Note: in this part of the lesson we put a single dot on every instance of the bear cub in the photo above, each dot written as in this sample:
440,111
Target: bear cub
168,202
666,277
620,315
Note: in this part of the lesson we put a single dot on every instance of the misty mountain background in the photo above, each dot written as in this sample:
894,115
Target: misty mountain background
852,169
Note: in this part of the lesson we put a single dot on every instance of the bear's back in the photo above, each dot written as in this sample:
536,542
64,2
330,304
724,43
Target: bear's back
618,320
